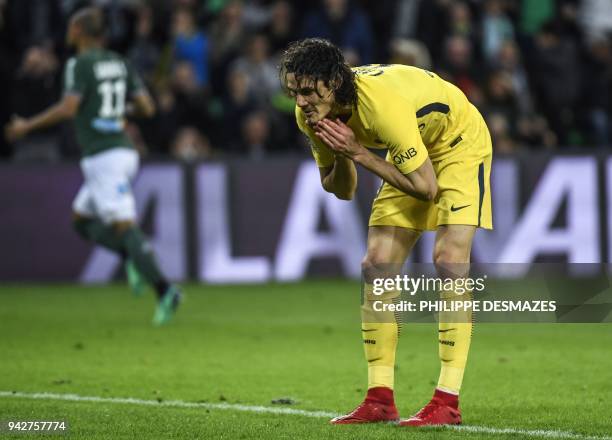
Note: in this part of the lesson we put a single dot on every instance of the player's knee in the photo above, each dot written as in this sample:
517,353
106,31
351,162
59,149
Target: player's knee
451,261
80,225
374,266
369,267
121,226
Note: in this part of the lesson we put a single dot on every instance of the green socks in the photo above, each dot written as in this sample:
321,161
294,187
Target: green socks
130,244
140,252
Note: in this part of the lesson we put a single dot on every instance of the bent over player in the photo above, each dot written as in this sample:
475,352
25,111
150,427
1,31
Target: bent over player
435,177
97,84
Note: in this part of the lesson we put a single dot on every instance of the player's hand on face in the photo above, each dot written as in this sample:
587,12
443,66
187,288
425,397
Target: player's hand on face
339,136
16,129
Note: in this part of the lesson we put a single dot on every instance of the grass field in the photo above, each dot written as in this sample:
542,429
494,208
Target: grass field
232,349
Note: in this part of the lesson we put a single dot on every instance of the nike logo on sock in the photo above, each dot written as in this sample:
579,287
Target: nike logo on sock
369,330
447,330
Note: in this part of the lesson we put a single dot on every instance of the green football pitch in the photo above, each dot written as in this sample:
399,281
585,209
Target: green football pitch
88,355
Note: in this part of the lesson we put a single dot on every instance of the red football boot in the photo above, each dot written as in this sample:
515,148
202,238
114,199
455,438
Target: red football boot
443,409
378,406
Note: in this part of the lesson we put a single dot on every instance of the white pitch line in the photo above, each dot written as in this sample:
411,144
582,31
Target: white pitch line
172,403
290,411
529,432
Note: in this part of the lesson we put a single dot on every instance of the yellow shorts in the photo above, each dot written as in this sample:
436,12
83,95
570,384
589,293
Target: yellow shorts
464,196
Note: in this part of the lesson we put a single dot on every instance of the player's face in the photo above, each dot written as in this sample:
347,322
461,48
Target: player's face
315,99
72,33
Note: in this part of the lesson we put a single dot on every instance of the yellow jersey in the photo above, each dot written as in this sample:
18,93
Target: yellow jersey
409,111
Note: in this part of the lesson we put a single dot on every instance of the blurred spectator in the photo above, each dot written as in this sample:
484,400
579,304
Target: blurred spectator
500,98
259,68
460,22
255,135
190,145
533,131
237,104
381,13
596,18
406,15
410,53
568,20
36,78
190,44
120,19
497,29
457,64
433,25
597,92
540,70
256,13
190,100
280,29
499,127
227,34
509,60
165,122
144,53
556,79
35,23
343,23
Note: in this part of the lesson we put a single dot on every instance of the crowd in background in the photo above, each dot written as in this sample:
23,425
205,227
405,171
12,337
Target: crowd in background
539,70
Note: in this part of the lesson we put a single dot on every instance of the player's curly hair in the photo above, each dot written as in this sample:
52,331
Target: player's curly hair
319,59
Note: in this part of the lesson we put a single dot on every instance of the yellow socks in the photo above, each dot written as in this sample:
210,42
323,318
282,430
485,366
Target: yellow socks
454,337
380,332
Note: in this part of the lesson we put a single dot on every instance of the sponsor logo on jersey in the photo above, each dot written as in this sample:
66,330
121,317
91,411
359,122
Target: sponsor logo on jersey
402,157
109,69
108,125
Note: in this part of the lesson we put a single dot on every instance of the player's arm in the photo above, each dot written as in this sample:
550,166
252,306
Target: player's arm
417,179
420,183
142,106
340,178
61,111
338,173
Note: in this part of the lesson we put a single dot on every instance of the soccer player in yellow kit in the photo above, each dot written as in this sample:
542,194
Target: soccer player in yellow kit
435,177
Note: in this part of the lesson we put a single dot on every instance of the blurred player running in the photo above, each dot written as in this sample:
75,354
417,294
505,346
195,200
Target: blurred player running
97,84
435,177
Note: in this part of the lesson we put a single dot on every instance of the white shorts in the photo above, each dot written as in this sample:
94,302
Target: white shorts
107,190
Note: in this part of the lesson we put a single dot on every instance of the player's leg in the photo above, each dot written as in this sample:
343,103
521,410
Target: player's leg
387,250
91,228
452,259
140,254
110,176
464,204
